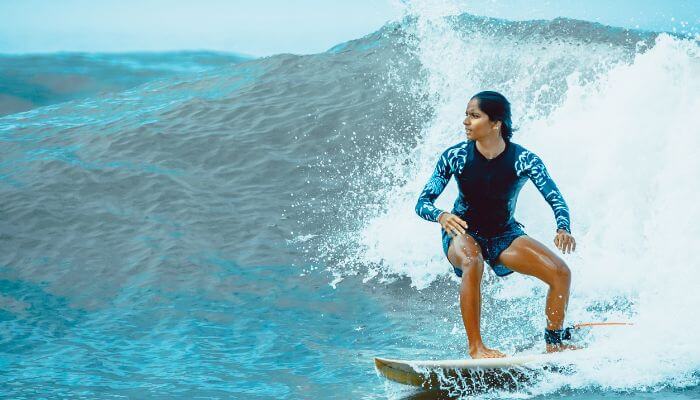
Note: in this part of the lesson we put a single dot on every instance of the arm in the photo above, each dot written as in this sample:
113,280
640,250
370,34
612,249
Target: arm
532,166
425,206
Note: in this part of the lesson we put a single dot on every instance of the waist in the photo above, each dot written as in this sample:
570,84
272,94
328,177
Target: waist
489,227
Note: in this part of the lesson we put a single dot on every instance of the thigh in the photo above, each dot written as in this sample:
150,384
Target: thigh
464,250
528,256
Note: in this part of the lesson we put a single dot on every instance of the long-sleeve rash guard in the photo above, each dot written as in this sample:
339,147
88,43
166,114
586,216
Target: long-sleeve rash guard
488,189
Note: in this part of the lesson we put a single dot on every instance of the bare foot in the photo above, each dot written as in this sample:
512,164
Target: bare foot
553,348
485,352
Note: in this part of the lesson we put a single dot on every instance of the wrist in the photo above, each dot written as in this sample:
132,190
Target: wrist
440,215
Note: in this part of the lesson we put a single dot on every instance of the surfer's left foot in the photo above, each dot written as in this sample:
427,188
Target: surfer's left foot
554,348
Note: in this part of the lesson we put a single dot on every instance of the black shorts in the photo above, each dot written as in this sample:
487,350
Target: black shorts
491,246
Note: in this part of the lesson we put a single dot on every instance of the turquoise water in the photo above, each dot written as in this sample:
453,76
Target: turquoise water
253,333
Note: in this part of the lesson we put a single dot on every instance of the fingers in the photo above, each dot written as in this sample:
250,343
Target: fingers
456,228
559,242
565,243
462,222
454,225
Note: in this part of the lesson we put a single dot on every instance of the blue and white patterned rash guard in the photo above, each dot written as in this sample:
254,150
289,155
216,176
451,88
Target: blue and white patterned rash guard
488,189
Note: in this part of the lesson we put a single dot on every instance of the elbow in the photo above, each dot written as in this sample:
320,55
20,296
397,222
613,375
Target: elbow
418,207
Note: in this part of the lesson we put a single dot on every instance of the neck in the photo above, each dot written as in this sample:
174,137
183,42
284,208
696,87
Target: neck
491,146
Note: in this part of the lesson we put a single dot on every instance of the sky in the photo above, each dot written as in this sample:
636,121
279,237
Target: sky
265,27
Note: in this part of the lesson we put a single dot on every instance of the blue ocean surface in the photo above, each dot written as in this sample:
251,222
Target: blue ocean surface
208,226
34,80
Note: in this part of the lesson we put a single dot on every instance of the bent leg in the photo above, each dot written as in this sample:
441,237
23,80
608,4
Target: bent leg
464,253
528,256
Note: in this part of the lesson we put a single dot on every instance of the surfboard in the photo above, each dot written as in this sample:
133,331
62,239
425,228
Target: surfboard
497,373
480,374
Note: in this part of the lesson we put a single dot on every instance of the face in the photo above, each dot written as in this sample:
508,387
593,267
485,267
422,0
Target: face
477,124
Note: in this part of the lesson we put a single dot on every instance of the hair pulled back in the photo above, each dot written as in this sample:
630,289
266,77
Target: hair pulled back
497,107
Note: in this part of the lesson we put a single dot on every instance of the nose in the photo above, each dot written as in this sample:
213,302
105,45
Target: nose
466,122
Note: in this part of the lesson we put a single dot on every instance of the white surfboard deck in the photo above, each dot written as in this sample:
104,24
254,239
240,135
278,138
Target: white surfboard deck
483,373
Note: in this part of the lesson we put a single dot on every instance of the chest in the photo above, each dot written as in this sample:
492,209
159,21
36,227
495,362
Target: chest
489,179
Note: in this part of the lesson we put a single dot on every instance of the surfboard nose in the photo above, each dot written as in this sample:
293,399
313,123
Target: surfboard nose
379,363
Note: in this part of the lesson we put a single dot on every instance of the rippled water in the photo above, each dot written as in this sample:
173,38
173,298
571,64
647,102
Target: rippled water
247,230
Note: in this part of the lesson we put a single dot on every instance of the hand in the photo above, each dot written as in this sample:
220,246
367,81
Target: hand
453,224
564,241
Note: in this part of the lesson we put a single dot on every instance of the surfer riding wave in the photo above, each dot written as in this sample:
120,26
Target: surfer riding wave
490,171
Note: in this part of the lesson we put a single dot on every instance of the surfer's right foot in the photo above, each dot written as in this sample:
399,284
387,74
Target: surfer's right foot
558,340
485,352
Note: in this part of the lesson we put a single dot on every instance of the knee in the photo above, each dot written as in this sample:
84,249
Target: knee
472,262
561,272
472,271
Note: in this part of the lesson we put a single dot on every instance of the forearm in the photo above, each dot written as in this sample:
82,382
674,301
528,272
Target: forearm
425,207
426,210
559,208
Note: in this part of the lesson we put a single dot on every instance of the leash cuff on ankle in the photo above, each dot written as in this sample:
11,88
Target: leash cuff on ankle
555,336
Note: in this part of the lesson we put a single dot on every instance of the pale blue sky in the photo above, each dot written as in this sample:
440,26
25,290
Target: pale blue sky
265,27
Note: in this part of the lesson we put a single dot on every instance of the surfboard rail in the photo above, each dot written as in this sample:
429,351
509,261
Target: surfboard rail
479,374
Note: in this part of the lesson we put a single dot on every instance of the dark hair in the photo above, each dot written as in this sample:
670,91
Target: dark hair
497,107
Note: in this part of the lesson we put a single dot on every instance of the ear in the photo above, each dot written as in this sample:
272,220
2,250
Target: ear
497,126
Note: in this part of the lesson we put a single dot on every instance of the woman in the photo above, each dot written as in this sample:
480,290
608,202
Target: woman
490,170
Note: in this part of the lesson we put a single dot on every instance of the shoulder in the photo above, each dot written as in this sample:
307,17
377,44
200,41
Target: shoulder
519,149
459,146
522,153
456,150
525,159
452,159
